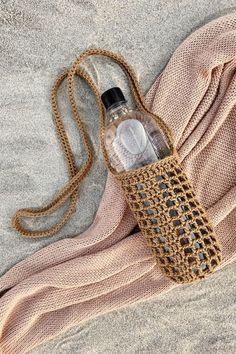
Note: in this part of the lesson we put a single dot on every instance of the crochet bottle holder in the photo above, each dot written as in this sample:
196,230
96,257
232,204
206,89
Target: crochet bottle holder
175,224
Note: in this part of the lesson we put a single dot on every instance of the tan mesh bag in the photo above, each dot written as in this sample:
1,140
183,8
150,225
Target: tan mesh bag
172,220
174,223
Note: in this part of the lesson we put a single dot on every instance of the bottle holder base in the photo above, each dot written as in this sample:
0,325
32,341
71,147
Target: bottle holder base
172,220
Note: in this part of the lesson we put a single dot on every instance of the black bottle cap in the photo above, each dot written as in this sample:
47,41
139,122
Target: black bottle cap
113,96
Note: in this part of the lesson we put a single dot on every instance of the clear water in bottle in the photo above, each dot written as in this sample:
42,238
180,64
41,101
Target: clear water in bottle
132,138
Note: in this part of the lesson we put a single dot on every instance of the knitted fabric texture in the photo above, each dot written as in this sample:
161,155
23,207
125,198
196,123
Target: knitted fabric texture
109,266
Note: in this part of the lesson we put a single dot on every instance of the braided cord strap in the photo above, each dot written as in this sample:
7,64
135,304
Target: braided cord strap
70,191
160,195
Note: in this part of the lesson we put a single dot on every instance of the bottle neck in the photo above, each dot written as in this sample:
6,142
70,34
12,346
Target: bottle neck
117,111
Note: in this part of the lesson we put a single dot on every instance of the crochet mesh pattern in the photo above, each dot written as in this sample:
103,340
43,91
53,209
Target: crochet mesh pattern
172,220
166,190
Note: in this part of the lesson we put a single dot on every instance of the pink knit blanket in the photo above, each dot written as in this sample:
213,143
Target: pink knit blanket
108,266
